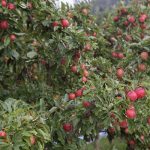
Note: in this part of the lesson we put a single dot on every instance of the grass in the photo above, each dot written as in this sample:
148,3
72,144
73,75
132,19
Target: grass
117,144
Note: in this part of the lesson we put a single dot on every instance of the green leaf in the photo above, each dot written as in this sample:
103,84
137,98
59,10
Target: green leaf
31,54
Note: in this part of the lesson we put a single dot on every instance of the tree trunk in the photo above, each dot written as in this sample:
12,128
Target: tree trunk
96,143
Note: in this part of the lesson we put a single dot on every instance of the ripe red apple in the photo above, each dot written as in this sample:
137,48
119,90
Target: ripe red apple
3,134
67,127
140,92
32,140
130,113
143,26
84,79
79,93
124,11
12,37
142,19
131,142
131,19
65,23
55,24
74,69
87,47
142,137
63,61
83,66
128,38
144,55
126,130
71,96
142,67
85,73
3,3
126,23
11,6
120,55
123,124
132,96
148,120
4,25
86,104
116,18
120,73
114,54
94,34
111,130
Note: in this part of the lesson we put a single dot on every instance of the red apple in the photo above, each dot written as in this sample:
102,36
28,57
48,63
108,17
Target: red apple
123,11
12,37
84,79
120,73
140,92
130,113
3,134
142,67
120,55
132,96
67,127
86,104
65,23
74,69
144,55
32,140
123,124
11,6
71,96
116,18
131,19
148,120
4,25
142,137
85,73
3,3
79,93
131,142
55,24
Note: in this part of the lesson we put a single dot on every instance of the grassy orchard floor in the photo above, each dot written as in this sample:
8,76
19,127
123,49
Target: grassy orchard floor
117,144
